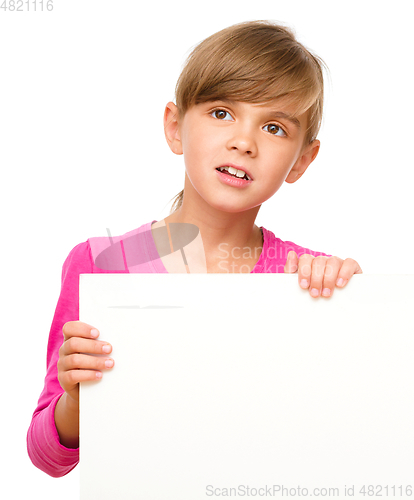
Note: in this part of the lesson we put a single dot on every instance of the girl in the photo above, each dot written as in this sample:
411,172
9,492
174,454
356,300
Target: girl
247,113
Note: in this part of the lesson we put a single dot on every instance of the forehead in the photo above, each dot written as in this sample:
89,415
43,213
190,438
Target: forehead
290,103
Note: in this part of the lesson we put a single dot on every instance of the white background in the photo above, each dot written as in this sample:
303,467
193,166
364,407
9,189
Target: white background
82,149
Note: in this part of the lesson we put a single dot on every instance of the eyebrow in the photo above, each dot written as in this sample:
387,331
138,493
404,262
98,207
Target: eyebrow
285,116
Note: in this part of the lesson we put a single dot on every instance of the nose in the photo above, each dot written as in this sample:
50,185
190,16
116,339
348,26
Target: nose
243,140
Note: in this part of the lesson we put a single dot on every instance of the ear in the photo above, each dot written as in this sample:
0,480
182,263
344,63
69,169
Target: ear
172,129
299,168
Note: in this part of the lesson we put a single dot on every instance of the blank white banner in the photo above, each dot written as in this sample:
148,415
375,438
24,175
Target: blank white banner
243,385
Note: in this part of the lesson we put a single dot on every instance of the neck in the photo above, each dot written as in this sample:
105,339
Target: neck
225,235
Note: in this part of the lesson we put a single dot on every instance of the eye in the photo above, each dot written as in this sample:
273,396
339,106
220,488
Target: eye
221,114
274,129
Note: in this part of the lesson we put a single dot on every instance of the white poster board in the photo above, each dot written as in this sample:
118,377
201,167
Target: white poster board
244,385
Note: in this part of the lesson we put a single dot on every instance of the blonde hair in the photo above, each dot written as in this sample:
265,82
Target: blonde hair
254,62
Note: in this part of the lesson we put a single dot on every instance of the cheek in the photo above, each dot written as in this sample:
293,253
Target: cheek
279,162
287,157
199,148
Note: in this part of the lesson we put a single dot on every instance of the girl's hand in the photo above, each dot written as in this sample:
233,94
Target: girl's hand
321,274
75,363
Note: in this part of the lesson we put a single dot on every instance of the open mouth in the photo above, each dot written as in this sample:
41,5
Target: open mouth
234,172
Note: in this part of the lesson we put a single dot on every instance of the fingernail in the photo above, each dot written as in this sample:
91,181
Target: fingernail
326,292
341,282
98,374
94,332
304,283
109,363
106,348
314,292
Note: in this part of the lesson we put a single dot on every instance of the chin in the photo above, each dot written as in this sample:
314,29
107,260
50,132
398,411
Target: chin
231,208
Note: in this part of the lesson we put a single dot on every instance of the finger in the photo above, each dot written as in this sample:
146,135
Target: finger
70,379
316,279
85,362
79,329
348,269
79,344
332,267
73,377
291,265
305,270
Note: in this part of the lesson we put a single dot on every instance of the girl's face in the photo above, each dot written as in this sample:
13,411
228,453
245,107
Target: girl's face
264,141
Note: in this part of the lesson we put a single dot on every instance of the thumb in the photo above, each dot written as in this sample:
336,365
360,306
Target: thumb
291,265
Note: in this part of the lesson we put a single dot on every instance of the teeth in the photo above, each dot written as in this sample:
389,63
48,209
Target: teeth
235,171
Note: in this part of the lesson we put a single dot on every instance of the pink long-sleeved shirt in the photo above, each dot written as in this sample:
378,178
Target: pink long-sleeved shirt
133,252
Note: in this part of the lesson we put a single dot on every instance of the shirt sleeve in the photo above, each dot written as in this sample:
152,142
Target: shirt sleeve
301,250
43,445
275,251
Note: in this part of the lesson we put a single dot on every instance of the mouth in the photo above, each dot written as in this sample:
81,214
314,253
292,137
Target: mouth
234,171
